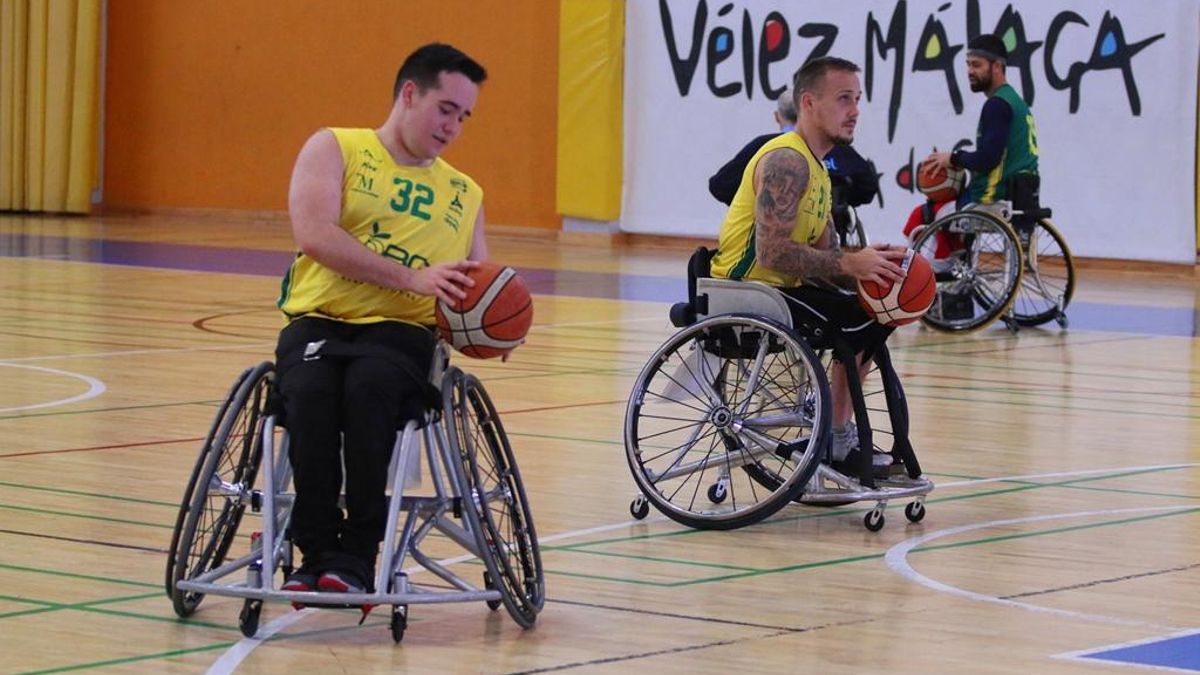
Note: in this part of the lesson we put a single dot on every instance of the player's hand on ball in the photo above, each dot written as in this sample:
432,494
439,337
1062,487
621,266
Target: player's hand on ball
875,264
444,280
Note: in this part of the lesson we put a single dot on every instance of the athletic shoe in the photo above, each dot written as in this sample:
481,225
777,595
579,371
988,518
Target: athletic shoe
881,464
303,580
340,581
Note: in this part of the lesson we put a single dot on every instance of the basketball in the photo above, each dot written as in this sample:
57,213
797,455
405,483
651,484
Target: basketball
493,318
940,185
897,304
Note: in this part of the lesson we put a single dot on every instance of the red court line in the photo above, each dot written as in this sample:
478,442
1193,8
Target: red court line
117,446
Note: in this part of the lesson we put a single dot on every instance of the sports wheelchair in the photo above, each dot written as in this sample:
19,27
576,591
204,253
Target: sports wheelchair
1004,260
476,500
729,420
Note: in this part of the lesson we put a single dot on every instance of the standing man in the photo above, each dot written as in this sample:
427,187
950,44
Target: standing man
384,227
1006,138
778,231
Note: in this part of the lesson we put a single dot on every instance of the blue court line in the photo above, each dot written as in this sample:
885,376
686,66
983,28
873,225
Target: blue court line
1180,652
1138,319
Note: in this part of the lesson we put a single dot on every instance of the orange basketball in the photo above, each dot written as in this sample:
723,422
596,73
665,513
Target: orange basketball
938,184
897,304
493,318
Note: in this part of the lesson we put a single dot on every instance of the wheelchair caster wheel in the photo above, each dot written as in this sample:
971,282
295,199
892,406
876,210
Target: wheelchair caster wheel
1012,325
639,508
248,619
915,512
1062,321
487,583
399,622
717,492
874,520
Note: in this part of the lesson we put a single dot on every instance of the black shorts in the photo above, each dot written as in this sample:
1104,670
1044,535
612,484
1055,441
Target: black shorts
823,315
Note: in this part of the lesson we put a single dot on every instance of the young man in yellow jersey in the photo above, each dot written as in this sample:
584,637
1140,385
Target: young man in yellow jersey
384,227
778,230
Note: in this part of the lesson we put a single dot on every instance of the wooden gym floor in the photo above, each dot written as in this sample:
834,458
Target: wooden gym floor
1065,523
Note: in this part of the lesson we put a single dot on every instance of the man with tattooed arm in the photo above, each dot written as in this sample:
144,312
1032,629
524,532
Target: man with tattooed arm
778,230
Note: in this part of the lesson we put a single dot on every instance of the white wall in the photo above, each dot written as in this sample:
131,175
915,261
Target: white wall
1121,184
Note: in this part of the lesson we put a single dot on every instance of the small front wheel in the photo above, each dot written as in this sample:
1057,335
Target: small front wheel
399,622
639,508
248,619
874,520
915,512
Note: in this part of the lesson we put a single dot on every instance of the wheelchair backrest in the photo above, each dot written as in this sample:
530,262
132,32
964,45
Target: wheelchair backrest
708,296
725,296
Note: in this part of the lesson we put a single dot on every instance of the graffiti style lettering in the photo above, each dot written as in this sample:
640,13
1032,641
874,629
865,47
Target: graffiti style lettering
684,68
934,52
1011,29
1110,51
776,42
774,45
892,42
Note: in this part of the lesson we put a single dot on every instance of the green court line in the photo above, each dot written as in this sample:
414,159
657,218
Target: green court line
1140,493
1057,530
95,606
925,549
80,493
69,514
75,575
131,659
196,650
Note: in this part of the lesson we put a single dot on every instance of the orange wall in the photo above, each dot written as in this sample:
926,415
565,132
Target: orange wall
208,102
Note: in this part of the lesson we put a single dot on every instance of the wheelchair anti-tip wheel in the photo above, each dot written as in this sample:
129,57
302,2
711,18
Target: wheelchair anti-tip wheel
220,486
496,505
977,266
732,399
1048,281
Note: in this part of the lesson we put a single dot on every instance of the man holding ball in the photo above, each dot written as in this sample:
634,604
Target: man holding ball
384,228
778,230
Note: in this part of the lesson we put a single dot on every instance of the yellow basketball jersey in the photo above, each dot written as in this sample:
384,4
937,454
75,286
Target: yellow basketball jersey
735,257
415,216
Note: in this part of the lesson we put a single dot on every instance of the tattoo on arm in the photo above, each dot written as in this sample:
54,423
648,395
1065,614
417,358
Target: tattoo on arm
784,181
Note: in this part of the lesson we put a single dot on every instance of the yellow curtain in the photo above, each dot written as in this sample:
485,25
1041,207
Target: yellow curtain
49,104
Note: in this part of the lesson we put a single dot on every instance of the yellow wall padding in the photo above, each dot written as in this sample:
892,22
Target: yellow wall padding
590,69
48,93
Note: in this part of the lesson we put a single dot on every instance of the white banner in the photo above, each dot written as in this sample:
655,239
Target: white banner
1112,86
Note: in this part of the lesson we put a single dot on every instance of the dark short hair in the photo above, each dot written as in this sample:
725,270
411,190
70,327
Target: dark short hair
812,74
988,47
425,64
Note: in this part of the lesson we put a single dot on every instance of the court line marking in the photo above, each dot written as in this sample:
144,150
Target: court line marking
95,388
1063,474
897,560
229,661
1082,655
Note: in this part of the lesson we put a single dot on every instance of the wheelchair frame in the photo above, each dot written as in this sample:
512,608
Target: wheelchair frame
745,383
478,503
1020,239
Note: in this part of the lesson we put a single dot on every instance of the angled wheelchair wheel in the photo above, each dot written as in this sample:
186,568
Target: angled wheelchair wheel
977,263
732,400
1048,281
497,507
220,486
